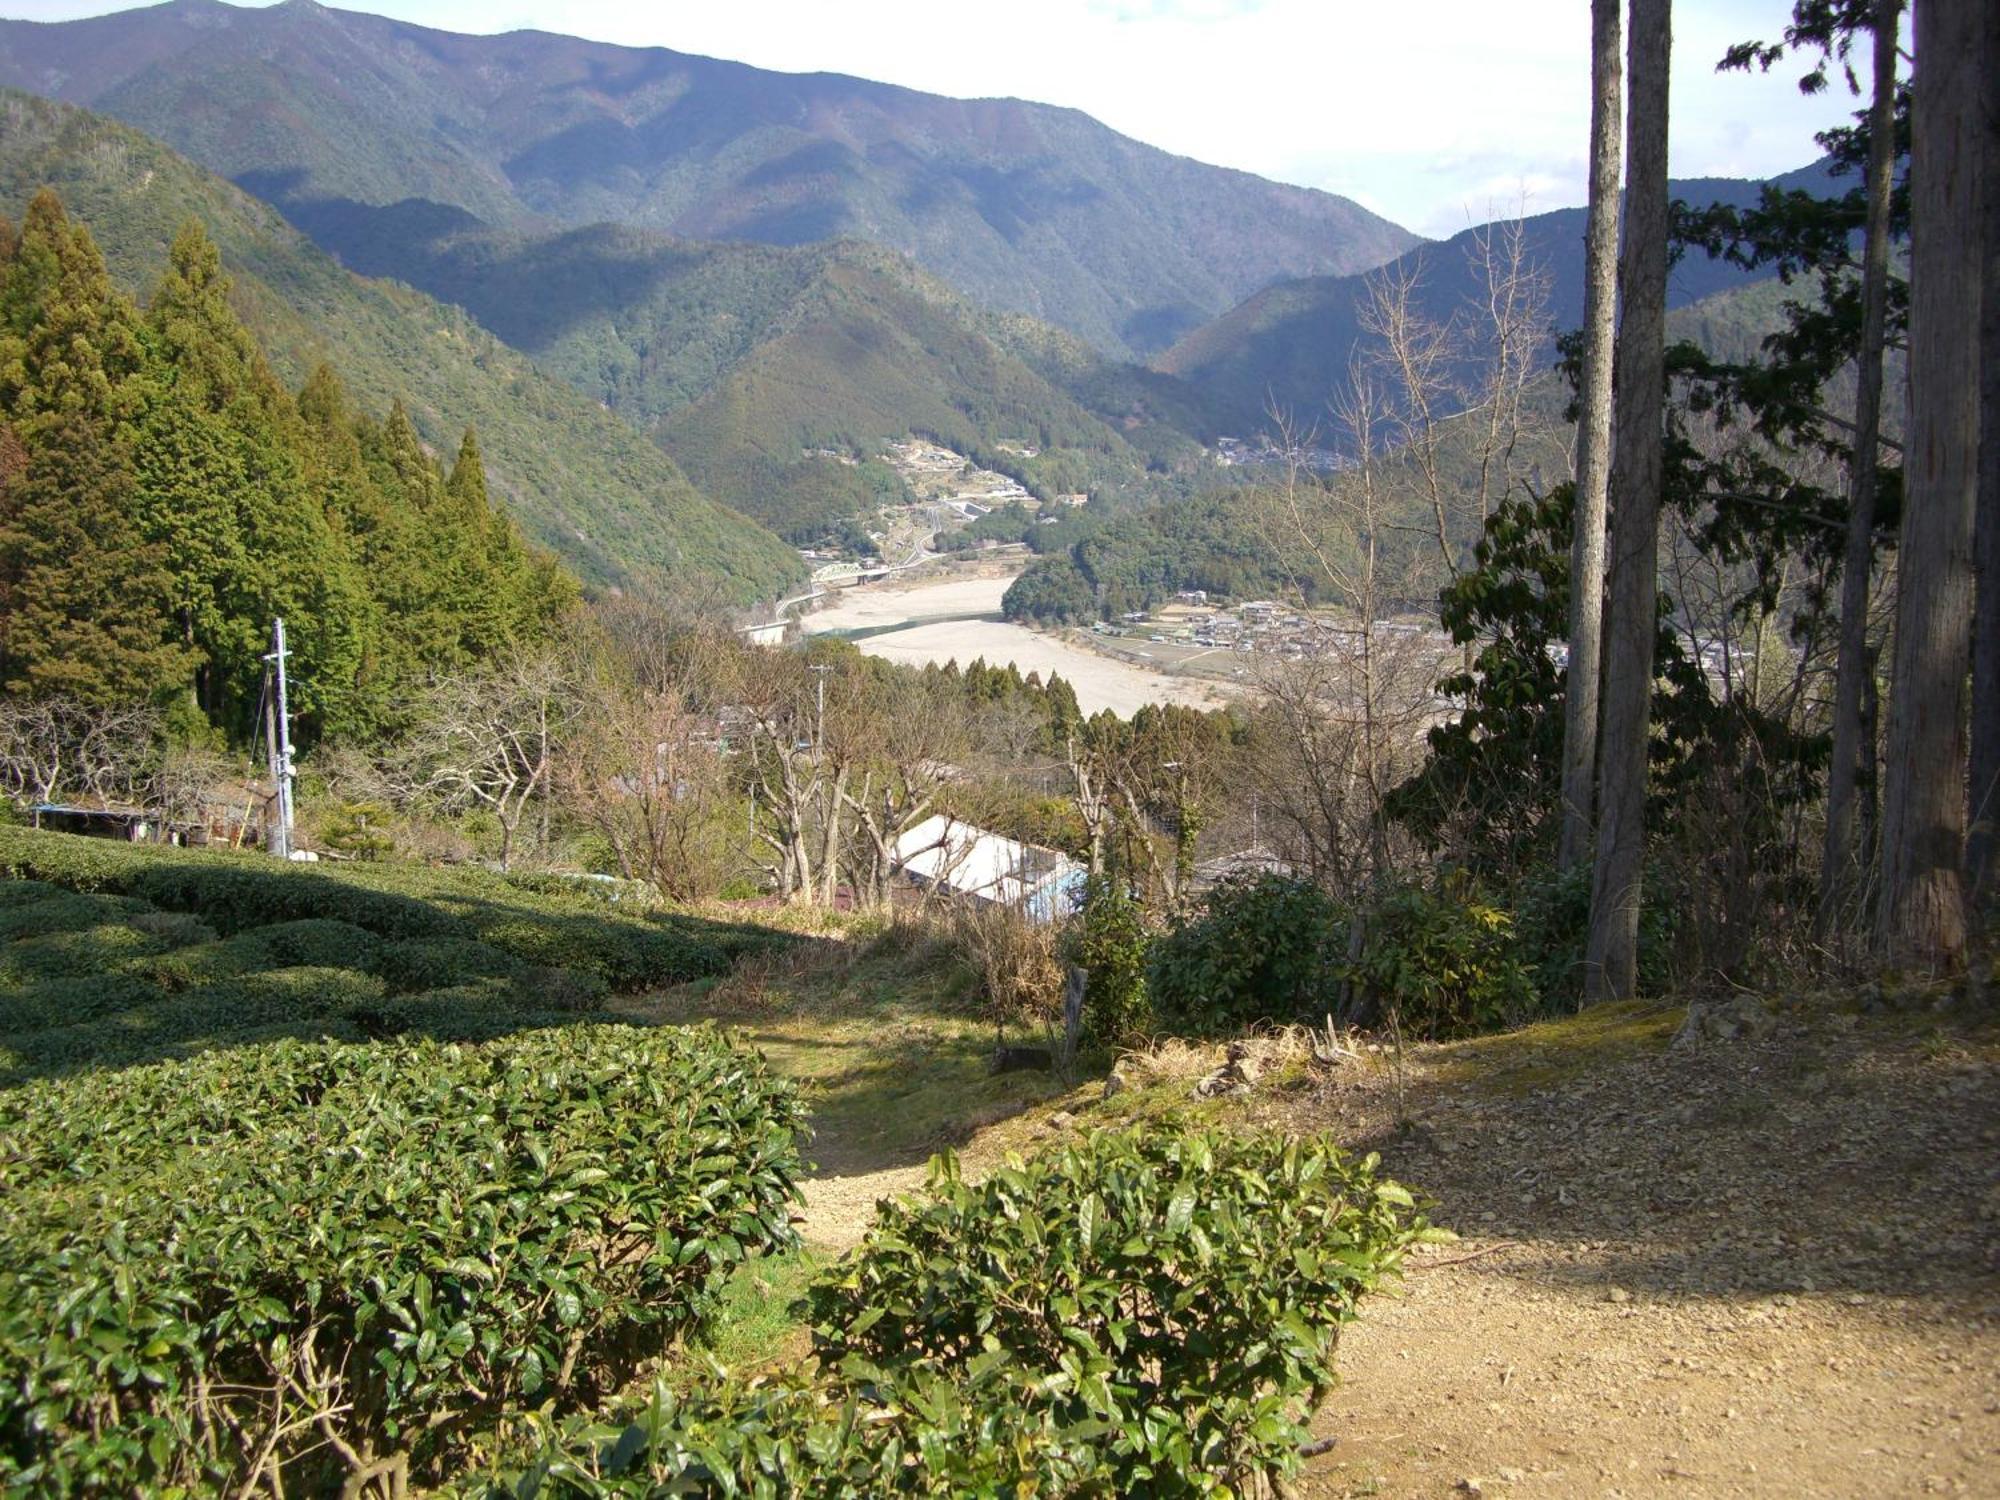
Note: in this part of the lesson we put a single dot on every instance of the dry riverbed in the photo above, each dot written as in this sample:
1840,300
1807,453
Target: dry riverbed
957,618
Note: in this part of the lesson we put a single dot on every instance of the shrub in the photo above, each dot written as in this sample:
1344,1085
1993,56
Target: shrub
151,1024
15,893
67,953
65,912
414,964
71,1000
1185,1291
1108,941
230,1262
174,929
1265,949
1136,1315
562,990
1441,965
990,1434
1552,932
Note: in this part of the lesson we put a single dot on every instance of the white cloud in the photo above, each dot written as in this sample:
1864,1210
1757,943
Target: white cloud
1426,110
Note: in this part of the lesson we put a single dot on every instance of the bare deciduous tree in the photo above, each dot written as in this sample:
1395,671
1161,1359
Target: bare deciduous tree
54,748
488,740
644,772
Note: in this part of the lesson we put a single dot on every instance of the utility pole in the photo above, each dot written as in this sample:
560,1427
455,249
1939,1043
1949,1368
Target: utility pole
819,724
278,739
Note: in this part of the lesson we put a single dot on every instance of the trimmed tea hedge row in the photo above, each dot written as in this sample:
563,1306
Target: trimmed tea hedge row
1143,1312
625,947
300,1260
143,986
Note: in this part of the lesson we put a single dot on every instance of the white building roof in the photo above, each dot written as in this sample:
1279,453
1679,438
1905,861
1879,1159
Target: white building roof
974,862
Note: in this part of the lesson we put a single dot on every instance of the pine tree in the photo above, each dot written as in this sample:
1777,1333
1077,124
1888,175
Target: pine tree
516,590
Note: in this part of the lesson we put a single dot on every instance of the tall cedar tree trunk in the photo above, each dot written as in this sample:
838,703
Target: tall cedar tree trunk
1593,441
1853,763
1921,920
1983,846
1631,615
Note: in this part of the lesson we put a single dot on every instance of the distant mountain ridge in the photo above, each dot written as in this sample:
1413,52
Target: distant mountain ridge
1023,207
1291,344
751,363
612,504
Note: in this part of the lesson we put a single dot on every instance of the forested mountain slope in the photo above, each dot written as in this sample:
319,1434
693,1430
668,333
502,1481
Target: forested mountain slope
755,365
1024,207
1293,343
576,477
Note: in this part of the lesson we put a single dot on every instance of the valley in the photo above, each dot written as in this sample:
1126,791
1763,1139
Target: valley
723,780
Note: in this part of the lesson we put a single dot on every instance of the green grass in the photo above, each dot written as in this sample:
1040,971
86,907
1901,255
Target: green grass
888,1039
759,1320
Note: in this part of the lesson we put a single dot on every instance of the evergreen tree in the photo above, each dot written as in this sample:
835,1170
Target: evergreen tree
224,492
84,597
517,590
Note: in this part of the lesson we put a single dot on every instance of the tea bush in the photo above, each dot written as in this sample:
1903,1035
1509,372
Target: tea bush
628,946
1267,949
1139,1314
287,1263
434,963
1181,1292
988,1435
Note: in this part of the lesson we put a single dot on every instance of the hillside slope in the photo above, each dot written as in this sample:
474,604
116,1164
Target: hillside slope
577,478
756,364
1024,207
1294,342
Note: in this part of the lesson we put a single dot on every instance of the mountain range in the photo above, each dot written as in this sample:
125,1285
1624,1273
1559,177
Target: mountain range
1289,346
579,480
776,373
1024,207
768,276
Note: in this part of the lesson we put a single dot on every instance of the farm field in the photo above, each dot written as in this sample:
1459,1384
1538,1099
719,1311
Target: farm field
1667,1277
365,1181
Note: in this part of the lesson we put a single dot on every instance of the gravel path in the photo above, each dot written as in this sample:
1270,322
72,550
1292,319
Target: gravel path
1762,1266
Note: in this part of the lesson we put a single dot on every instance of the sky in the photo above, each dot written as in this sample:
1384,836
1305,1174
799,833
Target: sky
1435,113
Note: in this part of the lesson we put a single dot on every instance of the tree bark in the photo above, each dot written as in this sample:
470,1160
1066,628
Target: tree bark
1983,846
1853,762
1631,614
1593,441
1921,920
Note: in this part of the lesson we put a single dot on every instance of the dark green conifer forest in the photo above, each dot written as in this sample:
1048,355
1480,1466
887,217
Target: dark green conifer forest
163,497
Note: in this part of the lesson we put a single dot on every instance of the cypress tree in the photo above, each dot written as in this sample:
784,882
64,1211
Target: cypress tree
224,491
86,596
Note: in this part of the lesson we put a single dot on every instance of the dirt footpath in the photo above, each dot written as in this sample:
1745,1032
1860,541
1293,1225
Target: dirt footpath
1761,1260
1761,1265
